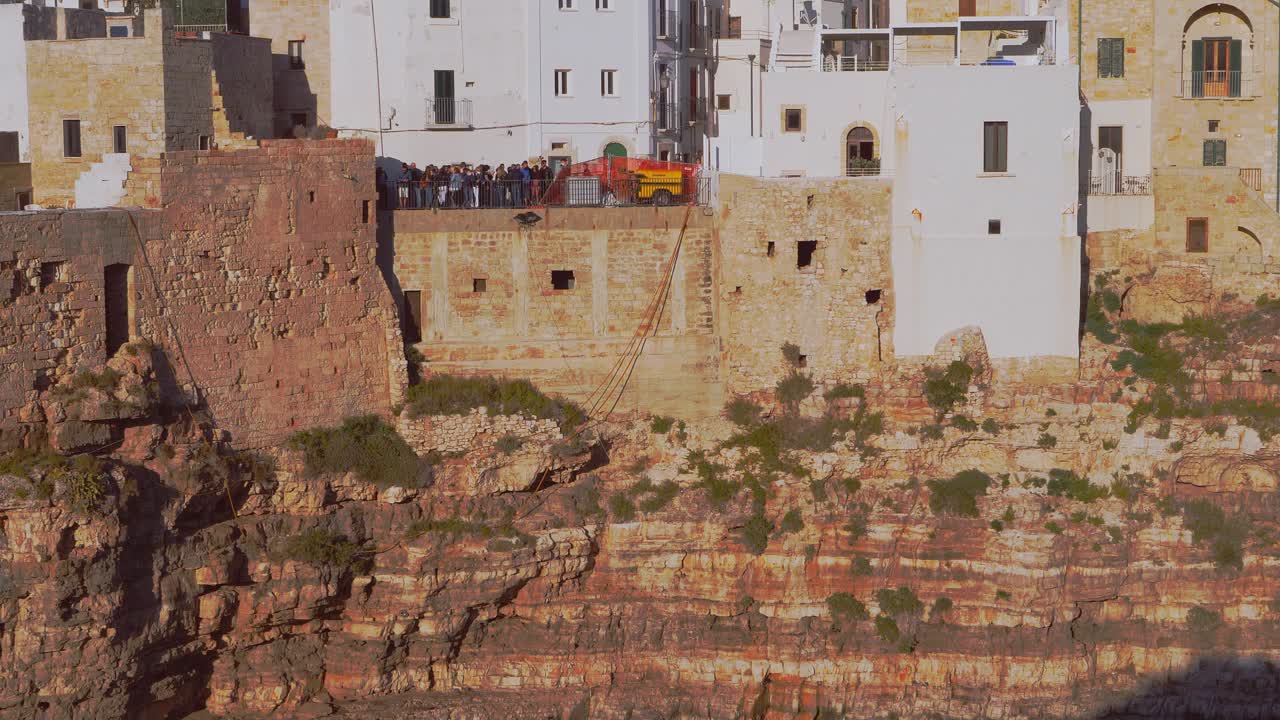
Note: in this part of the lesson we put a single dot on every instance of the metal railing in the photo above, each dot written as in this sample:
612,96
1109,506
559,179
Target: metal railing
448,112
1117,184
1218,84
578,191
852,64
667,26
666,117
1252,177
189,30
863,168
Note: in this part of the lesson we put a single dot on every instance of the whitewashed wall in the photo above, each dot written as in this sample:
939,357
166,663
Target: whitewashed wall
833,103
13,79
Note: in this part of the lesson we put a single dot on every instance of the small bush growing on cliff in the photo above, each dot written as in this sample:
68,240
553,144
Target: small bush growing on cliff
1053,527
454,395
1046,441
792,521
742,412
755,534
661,424
963,423
958,495
621,508
1203,620
941,606
1067,483
899,602
660,496
791,354
944,389
990,427
846,608
856,526
324,548
508,444
793,388
81,477
887,629
367,446
843,391
860,566
1226,535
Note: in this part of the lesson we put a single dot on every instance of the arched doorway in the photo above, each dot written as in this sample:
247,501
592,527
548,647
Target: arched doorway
615,150
860,152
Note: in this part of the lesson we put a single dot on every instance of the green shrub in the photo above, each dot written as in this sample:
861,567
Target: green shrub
661,496
1046,441
586,497
887,629
1007,517
818,489
851,485
963,423
931,432
81,476
661,424
944,389
793,388
860,566
323,548
990,427
791,354
743,604
792,521
1003,595
367,446
856,526
719,490
844,607
742,412
1053,527
997,525
899,602
455,395
1226,535
843,391
1203,620
621,508
451,528
942,606
959,495
1067,483
755,534
508,444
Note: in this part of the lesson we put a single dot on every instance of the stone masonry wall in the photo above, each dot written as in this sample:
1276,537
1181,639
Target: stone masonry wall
14,177
565,339
946,10
242,68
188,92
1133,21
297,90
825,308
259,281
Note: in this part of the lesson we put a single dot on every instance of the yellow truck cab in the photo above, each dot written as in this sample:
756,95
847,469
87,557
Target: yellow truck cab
659,187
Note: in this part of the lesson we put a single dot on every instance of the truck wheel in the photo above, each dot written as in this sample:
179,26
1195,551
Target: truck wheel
662,197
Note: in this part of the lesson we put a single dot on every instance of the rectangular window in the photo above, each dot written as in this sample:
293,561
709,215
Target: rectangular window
479,285
995,147
206,142
792,120
1216,65
9,147
567,4
118,31
804,253
604,5
562,83
968,8
1110,57
295,55
993,227
298,119
1215,153
71,138
413,316
1197,235
119,139
607,79
440,8
562,279
444,105
364,212
23,199
1214,125
116,301
724,102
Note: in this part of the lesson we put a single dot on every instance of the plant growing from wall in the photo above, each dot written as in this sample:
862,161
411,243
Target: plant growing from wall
945,388
959,494
455,395
323,548
366,446
845,608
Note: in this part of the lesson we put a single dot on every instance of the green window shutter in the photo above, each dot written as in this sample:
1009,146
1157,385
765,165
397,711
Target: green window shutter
1197,68
1220,153
1236,67
1117,57
1104,58
1208,153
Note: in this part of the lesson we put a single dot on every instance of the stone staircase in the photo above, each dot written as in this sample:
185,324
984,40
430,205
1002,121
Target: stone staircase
795,49
223,136
102,185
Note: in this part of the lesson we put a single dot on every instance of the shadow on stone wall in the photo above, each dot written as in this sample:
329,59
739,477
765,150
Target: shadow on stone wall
1212,688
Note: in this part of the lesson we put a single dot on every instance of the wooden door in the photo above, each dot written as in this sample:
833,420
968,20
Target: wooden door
1217,67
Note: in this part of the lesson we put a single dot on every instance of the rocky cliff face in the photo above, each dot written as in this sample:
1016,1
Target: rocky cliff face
939,544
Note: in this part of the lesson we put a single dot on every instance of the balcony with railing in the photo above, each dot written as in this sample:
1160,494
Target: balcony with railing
667,27
864,167
855,54
1110,183
1218,85
449,113
666,118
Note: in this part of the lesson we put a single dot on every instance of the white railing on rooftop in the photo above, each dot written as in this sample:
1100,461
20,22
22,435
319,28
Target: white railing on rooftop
852,64
198,29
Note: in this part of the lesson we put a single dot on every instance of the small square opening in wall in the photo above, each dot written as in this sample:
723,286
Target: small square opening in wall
802,361
50,273
1214,125
479,285
993,227
364,212
311,196
769,249
804,253
873,297
562,279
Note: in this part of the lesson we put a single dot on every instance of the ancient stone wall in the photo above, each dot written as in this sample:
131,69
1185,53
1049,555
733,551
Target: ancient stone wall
485,291
258,280
298,90
838,309
14,178
1132,21
188,93
947,10
1240,221
242,69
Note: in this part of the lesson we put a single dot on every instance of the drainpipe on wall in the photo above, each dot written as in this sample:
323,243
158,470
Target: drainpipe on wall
1277,148
751,83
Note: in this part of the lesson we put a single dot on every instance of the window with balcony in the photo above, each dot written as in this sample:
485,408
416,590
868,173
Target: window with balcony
1216,68
440,9
561,79
995,147
1110,57
1215,153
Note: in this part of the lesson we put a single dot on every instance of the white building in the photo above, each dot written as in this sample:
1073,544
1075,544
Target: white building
496,81
975,119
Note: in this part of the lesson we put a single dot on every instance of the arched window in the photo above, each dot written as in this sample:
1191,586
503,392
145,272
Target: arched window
860,152
1218,47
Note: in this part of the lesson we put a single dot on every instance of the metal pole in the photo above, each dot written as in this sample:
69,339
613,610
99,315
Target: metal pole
751,80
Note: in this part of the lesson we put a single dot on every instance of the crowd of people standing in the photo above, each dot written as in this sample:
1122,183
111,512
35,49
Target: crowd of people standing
465,186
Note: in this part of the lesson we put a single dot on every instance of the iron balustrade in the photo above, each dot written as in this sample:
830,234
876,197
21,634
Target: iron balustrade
1118,184
853,64
1252,177
448,112
573,191
1218,84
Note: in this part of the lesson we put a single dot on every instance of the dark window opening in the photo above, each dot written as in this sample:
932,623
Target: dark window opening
562,279
792,120
479,285
119,139
1197,235
873,297
311,196
440,8
364,212
769,250
24,199
71,138
9,147
413,316
723,102
116,305
298,119
1214,125
802,361
295,55
206,142
118,31
1215,153
50,273
993,227
804,252
995,147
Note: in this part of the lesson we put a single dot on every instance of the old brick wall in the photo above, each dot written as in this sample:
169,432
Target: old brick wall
825,308
567,340
259,280
242,69
188,92
14,177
